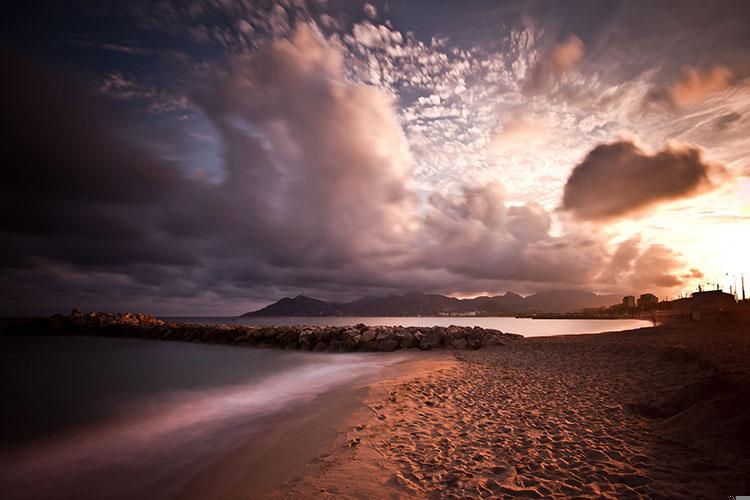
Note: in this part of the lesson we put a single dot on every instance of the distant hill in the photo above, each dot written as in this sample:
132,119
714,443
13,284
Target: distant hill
298,306
409,304
420,304
564,301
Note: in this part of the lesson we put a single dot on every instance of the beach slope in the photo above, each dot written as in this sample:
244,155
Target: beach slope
658,412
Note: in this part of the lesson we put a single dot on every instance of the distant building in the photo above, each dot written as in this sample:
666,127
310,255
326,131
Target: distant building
647,301
712,301
629,301
458,314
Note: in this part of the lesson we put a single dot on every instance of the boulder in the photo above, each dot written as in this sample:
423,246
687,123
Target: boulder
335,345
405,339
320,346
289,339
306,340
475,338
493,337
369,335
432,339
351,337
368,346
387,345
457,341
318,338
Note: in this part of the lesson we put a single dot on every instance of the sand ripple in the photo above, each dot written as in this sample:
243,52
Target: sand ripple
655,413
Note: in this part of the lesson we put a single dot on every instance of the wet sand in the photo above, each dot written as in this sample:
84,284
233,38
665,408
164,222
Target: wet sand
285,458
657,412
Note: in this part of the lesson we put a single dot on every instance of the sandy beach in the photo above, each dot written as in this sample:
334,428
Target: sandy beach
657,412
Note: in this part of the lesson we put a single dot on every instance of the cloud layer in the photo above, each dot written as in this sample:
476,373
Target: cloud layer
620,178
316,192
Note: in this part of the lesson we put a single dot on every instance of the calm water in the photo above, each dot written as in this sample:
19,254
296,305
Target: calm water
525,326
119,418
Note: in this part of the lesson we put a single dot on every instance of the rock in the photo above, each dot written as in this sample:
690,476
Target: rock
493,337
317,338
387,345
385,334
369,335
370,346
333,346
405,339
306,340
289,339
474,339
457,341
353,334
431,340
320,346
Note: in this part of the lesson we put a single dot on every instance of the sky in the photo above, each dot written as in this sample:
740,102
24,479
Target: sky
210,157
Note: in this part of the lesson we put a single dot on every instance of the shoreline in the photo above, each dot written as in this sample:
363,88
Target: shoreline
280,459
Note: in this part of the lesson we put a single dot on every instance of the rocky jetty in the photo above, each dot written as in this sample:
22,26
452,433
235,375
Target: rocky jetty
357,338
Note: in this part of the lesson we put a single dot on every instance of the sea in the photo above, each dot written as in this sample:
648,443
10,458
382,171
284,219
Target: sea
95,417
528,327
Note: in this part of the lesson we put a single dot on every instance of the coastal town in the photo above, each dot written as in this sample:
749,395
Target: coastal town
701,305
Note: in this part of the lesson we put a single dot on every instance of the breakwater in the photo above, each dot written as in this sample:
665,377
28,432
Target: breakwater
356,338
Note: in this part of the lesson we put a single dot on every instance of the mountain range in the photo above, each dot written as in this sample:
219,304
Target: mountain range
420,304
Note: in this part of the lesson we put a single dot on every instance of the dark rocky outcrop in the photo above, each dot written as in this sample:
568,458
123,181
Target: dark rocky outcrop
356,338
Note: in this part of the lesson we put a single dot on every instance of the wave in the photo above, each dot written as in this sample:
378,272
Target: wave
179,427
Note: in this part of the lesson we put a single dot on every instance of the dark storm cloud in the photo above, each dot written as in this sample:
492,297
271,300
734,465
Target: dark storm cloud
620,178
71,179
313,192
81,156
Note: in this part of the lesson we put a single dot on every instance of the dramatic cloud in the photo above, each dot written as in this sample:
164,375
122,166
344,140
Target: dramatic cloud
620,178
555,63
654,267
504,242
323,158
342,164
